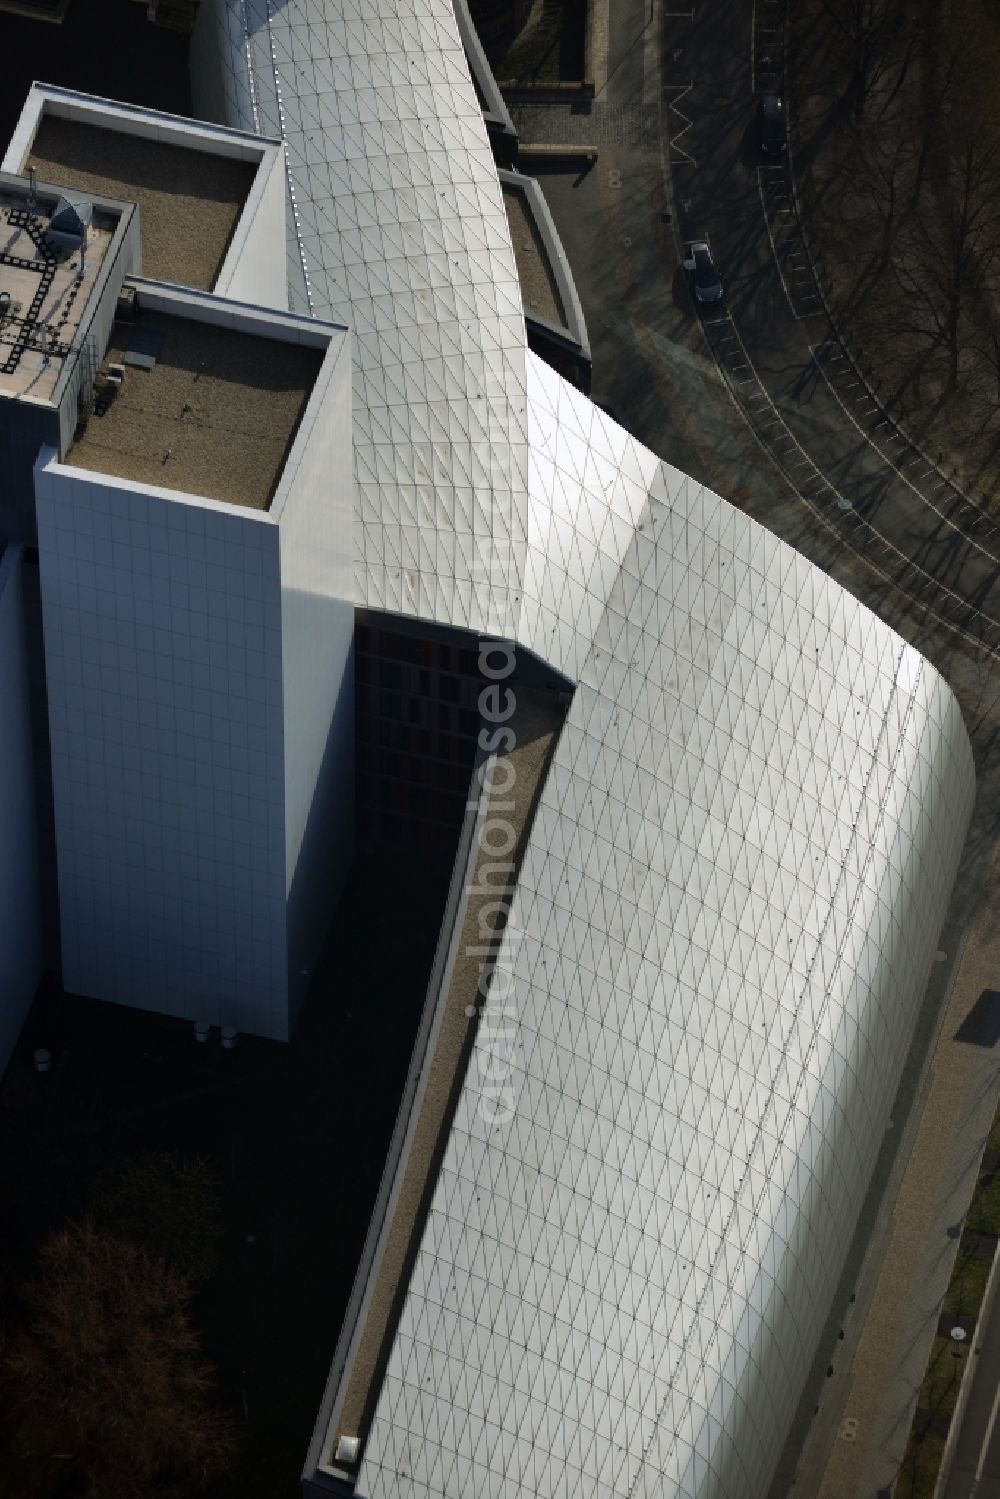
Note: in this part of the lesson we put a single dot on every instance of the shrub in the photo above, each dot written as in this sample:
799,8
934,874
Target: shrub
166,1205
106,1372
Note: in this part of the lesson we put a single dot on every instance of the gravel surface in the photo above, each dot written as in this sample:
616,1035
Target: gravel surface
539,292
189,201
536,722
225,406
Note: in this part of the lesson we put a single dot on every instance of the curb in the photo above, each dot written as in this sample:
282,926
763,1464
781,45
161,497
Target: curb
968,1376
538,152
516,92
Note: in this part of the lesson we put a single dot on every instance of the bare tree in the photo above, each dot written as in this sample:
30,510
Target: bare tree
106,1378
867,35
939,86
885,174
953,254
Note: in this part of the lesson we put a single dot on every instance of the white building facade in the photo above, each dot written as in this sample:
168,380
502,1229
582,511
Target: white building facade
741,861
20,912
198,665
198,644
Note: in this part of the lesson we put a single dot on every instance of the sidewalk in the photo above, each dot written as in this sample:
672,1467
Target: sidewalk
854,1448
596,65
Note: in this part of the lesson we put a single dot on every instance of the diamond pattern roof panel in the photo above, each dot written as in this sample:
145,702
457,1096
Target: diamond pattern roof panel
738,869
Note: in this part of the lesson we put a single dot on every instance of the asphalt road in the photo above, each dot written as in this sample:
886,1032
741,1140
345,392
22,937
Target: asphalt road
814,414
678,159
775,344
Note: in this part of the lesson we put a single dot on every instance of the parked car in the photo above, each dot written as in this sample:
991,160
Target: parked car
771,118
706,282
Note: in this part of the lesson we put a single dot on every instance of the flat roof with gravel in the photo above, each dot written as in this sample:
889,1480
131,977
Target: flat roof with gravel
215,416
189,201
537,721
539,292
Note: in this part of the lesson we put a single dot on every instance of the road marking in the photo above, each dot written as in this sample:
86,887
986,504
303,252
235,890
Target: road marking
897,468
869,539
680,89
806,296
986,1444
753,49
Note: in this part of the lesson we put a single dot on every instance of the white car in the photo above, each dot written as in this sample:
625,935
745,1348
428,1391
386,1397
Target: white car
707,284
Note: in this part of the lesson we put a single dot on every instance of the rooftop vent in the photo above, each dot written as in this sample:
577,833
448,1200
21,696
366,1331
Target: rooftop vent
347,1451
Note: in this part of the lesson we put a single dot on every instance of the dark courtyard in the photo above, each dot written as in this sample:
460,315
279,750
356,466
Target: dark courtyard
294,1136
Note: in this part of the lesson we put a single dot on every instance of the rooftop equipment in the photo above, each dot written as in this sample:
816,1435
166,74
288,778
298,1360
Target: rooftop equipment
68,226
125,306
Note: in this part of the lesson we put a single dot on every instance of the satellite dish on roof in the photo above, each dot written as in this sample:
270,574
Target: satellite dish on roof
69,222
72,214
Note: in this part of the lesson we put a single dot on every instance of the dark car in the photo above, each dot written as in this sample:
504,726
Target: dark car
773,137
699,262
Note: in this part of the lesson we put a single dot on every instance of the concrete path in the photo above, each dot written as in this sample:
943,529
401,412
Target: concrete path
908,1237
934,1196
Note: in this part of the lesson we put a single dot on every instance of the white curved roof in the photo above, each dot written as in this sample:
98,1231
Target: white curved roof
731,897
738,870
399,231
